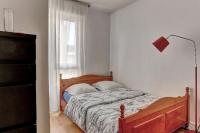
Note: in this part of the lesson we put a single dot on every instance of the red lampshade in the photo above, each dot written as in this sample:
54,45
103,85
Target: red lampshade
161,43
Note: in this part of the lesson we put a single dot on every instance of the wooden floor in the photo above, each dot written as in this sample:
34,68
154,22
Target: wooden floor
62,124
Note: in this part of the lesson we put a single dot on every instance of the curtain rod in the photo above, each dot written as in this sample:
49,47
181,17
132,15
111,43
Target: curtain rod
81,2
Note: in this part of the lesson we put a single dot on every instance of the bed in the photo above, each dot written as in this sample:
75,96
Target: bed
156,115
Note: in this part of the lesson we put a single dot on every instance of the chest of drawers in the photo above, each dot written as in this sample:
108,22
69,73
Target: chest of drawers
17,83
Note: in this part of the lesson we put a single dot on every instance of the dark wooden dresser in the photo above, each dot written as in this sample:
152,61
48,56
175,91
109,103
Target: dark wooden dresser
17,83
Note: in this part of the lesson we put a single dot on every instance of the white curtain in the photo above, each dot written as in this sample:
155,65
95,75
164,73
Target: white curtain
55,9
73,34
66,44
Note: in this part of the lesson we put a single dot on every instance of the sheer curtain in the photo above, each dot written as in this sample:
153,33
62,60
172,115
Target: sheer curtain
73,34
55,9
67,38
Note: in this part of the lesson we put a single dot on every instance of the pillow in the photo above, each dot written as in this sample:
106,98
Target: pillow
107,85
80,89
66,96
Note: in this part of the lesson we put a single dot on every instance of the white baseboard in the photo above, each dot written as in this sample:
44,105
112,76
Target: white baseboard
192,125
55,114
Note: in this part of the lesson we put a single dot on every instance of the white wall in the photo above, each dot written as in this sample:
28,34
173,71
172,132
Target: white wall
31,16
98,42
137,63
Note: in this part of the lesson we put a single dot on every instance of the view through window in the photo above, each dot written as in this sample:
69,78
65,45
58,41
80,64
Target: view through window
68,50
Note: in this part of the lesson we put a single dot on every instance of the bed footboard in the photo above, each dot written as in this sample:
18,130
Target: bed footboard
164,116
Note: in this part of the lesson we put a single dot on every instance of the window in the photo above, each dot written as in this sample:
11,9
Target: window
68,50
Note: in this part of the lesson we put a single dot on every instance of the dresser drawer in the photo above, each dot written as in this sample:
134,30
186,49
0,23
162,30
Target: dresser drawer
13,49
25,129
11,74
17,105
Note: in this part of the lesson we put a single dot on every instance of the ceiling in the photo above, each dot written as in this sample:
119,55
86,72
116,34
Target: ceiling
108,5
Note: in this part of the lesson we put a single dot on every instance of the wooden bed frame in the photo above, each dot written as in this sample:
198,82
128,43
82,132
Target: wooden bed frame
166,115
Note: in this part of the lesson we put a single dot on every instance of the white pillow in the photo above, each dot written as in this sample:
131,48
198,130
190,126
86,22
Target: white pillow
80,89
107,85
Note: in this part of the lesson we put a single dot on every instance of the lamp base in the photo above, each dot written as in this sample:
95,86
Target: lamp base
191,131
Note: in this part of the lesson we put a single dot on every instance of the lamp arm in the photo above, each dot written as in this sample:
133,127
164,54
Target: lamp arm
194,44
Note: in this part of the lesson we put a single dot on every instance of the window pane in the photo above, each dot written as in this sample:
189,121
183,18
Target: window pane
72,33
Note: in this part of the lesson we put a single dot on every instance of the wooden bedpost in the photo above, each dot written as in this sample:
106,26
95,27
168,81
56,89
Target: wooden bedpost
111,74
187,95
61,91
121,119
122,109
187,91
60,80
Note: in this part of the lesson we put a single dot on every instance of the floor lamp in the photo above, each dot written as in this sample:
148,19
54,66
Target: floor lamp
161,44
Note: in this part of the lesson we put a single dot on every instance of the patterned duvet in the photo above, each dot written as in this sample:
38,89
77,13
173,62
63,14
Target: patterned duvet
98,112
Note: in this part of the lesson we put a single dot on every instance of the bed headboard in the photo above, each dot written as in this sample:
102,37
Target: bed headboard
90,79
